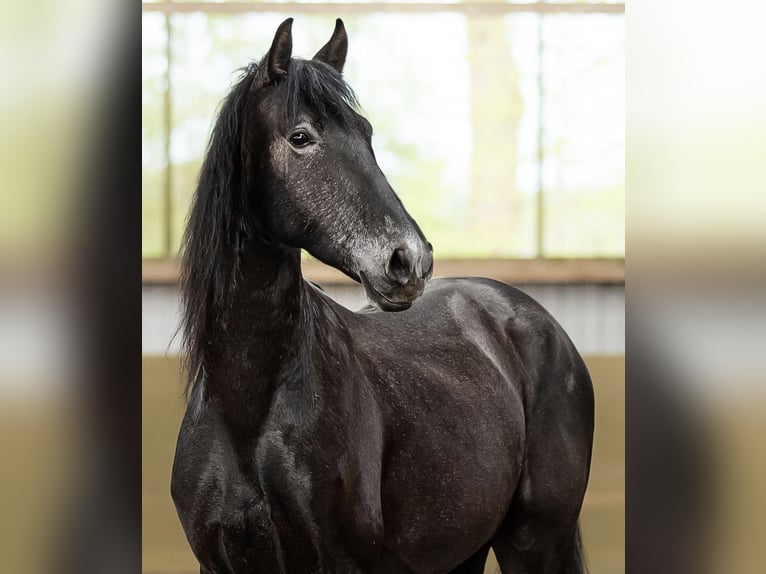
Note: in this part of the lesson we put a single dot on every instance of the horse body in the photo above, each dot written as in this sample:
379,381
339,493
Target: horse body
398,449
318,439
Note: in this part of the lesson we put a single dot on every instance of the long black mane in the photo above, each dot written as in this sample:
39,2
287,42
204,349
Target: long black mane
220,223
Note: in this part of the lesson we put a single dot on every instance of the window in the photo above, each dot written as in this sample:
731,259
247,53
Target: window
500,125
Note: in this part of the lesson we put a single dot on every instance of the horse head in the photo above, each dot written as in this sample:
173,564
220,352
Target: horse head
315,182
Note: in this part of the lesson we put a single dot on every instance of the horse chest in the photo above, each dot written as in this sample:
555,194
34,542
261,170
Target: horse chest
268,504
224,513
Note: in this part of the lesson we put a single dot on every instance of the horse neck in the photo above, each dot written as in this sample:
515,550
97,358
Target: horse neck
264,335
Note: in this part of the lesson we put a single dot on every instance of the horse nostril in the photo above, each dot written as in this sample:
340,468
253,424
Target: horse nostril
400,266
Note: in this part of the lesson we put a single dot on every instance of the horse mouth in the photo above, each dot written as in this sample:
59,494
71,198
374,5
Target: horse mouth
380,299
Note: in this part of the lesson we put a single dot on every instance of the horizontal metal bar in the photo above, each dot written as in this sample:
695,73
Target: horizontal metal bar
470,8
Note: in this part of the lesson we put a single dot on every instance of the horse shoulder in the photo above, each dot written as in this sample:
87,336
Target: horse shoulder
512,328
521,321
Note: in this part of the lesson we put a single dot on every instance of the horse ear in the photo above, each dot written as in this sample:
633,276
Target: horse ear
334,52
278,58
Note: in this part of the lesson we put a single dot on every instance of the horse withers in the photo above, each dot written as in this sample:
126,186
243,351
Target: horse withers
454,419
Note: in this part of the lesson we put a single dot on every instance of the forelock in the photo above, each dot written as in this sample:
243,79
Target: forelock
321,88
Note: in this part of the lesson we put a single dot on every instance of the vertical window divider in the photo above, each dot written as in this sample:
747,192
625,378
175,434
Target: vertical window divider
168,190
540,155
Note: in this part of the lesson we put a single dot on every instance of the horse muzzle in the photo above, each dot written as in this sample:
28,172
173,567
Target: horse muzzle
406,273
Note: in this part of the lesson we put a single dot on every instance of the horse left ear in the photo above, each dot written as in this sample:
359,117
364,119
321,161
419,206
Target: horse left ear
334,52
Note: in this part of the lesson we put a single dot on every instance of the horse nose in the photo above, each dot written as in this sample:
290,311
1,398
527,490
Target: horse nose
407,267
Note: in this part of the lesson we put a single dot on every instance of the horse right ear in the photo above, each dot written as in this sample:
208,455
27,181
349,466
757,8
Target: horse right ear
278,58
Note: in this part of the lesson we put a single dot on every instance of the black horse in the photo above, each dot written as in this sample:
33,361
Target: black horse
321,440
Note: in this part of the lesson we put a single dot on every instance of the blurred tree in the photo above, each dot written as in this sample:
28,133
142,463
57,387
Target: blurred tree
496,109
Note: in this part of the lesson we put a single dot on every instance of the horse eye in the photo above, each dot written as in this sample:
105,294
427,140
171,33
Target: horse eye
300,139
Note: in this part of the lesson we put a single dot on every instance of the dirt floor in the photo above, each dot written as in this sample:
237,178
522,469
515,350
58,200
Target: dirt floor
165,550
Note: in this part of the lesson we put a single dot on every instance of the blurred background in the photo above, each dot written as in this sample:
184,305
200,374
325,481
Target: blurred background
695,173
501,127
